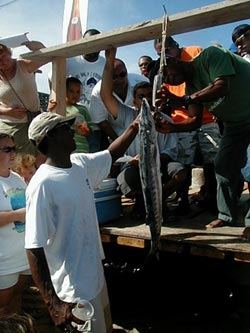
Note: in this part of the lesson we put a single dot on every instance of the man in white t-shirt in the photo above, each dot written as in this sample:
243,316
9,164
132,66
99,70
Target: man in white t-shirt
88,68
123,84
62,234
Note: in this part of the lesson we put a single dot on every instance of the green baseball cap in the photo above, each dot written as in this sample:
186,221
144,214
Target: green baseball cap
45,122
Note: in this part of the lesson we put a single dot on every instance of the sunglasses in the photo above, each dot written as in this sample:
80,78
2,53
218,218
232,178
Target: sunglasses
8,149
141,96
121,75
239,40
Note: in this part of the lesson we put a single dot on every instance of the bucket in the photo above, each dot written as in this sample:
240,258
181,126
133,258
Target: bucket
197,177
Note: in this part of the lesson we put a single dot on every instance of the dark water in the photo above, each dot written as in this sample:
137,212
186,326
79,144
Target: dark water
178,293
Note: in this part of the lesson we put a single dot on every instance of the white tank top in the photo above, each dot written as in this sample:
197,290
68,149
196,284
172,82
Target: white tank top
25,85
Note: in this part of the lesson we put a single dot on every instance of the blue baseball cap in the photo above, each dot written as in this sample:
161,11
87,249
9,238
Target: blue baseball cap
233,48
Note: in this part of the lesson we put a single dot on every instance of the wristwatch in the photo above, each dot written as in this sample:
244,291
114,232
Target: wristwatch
187,101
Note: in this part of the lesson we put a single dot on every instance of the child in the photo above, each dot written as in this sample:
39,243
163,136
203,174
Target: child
82,127
25,166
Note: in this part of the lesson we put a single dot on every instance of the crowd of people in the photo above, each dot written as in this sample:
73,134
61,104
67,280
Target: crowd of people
49,164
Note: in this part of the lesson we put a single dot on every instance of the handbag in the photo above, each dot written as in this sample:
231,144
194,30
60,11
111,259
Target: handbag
30,114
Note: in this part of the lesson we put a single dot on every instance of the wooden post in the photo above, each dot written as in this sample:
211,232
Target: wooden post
58,87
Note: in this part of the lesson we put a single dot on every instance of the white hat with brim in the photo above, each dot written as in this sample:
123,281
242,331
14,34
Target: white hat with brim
45,122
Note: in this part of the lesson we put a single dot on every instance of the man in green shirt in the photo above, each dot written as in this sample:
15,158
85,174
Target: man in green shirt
218,80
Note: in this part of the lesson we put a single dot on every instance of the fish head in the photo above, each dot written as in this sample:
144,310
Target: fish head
146,122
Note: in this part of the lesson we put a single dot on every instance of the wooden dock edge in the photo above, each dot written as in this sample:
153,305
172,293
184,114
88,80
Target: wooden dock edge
171,246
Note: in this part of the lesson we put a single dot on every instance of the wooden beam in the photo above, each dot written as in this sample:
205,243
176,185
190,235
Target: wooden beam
131,241
204,17
207,252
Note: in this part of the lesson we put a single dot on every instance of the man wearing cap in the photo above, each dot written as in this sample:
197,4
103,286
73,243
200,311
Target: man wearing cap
218,80
241,39
62,239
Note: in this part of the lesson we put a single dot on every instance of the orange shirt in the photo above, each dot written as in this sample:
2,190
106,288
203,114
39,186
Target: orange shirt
187,54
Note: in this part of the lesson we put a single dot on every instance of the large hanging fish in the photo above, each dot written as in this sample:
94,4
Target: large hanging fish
150,175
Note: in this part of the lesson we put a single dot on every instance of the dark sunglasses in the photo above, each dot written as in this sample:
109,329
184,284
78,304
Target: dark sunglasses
8,149
143,64
141,96
121,75
240,39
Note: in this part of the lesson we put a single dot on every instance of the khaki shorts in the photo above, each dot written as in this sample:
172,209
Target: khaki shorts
102,316
207,138
102,322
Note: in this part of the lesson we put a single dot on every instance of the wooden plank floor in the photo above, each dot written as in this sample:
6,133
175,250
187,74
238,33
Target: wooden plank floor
186,235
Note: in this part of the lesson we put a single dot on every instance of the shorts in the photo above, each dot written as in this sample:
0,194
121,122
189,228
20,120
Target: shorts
10,280
174,168
129,179
207,139
102,316
187,143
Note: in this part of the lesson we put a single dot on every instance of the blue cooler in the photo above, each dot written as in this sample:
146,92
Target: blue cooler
108,201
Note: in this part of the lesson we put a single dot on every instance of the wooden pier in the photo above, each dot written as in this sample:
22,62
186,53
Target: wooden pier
187,234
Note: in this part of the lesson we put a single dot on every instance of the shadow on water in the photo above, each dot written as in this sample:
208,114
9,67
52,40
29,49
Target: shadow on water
177,294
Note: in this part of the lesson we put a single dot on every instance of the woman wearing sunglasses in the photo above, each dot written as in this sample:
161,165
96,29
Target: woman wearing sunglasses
14,268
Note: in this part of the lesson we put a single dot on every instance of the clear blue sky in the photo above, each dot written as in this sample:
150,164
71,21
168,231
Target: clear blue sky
43,20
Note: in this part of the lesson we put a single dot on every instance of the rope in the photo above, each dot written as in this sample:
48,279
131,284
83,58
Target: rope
164,36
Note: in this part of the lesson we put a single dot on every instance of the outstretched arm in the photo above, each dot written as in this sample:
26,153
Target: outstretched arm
31,65
118,147
110,102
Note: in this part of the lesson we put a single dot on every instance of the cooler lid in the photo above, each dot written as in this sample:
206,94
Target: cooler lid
108,183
